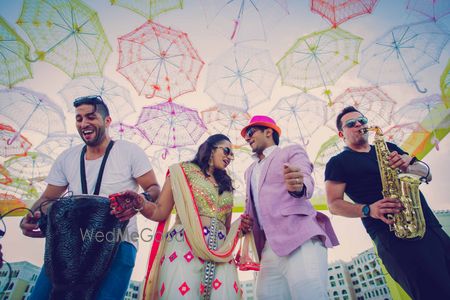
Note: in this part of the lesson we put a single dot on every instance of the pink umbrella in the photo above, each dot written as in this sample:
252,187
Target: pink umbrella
170,125
19,146
159,61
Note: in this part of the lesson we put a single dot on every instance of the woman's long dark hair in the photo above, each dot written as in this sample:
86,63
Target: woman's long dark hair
203,156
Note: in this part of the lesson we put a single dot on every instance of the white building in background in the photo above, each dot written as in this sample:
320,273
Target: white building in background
23,279
248,289
134,290
444,218
359,279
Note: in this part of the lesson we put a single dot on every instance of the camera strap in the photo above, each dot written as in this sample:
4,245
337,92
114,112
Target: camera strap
100,172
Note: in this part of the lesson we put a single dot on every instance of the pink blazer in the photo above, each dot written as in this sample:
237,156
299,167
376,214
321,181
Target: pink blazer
288,221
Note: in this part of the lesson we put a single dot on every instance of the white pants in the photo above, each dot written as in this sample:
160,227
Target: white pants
301,275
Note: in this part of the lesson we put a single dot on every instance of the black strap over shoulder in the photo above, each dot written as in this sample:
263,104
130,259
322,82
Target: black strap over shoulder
100,172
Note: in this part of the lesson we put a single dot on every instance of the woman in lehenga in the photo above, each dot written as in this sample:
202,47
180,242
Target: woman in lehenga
194,260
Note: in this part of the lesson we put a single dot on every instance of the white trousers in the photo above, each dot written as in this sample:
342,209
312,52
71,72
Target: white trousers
302,275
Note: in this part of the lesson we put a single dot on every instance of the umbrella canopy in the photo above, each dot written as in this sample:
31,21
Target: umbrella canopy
412,136
56,143
122,131
228,121
372,101
319,59
149,8
445,85
18,146
339,11
244,20
115,96
4,176
159,61
299,115
9,202
67,34
432,9
34,166
28,110
241,77
406,50
13,50
170,125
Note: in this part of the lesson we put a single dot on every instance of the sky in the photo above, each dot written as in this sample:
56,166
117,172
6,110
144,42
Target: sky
210,44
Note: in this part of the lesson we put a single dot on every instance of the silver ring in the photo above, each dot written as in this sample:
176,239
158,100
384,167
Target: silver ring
298,180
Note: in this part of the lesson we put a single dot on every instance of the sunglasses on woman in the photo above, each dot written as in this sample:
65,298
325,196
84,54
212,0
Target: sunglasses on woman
352,122
226,150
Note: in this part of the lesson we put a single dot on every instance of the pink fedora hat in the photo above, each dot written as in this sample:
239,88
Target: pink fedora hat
261,121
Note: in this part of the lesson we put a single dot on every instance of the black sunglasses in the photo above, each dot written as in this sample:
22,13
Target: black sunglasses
251,131
94,99
352,122
226,150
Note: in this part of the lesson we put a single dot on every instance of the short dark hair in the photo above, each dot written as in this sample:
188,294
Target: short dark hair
96,101
345,111
275,135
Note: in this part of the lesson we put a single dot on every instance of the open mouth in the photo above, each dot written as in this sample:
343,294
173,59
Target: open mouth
226,162
87,133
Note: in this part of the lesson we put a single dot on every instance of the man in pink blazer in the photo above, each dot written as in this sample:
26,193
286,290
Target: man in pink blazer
290,235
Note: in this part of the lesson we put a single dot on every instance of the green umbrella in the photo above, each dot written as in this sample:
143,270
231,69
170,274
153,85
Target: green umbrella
13,50
67,34
149,8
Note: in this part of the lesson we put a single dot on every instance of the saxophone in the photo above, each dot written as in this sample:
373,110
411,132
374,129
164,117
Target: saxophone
410,222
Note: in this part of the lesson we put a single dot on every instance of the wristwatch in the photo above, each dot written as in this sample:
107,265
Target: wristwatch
366,211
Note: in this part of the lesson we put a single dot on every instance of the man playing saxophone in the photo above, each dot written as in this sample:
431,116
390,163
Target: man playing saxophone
420,265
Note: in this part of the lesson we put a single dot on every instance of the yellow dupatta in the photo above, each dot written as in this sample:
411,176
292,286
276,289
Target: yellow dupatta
187,211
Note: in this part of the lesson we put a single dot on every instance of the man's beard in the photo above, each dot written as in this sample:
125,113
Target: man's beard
99,137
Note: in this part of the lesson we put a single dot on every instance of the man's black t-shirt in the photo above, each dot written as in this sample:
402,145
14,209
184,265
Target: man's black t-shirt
360,172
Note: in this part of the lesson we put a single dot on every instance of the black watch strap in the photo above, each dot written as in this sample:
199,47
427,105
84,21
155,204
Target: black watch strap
148,197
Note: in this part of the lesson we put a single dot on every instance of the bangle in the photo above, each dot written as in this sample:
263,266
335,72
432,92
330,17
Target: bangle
140,208
413,160
148,197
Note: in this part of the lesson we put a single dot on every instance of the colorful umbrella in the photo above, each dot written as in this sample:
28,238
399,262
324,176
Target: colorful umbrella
170,125
406,50
67,34
115,96
159,61
432,9
337,12
411,136
122,131
226,120
244,20
18,146
149,8
10,202
299,116
319,59
28,110
241,77
4,176
13,50
34,166
56,143
372,101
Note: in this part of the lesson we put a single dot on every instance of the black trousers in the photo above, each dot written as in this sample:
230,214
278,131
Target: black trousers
421,267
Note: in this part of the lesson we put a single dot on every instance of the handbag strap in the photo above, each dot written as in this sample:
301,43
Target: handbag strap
100,172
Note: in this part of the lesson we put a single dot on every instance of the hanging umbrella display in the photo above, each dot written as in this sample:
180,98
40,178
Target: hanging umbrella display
241,77
319,59
340,11
406,50
20,193
33,167
411,136
159,61
373,101
170,125
13,50
18,146
4,176
432,9
299,115
67,34
244,20
28,110
56,143
9,202
445,85
122,131
115,96
149,8
226,120
334,145
419,110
